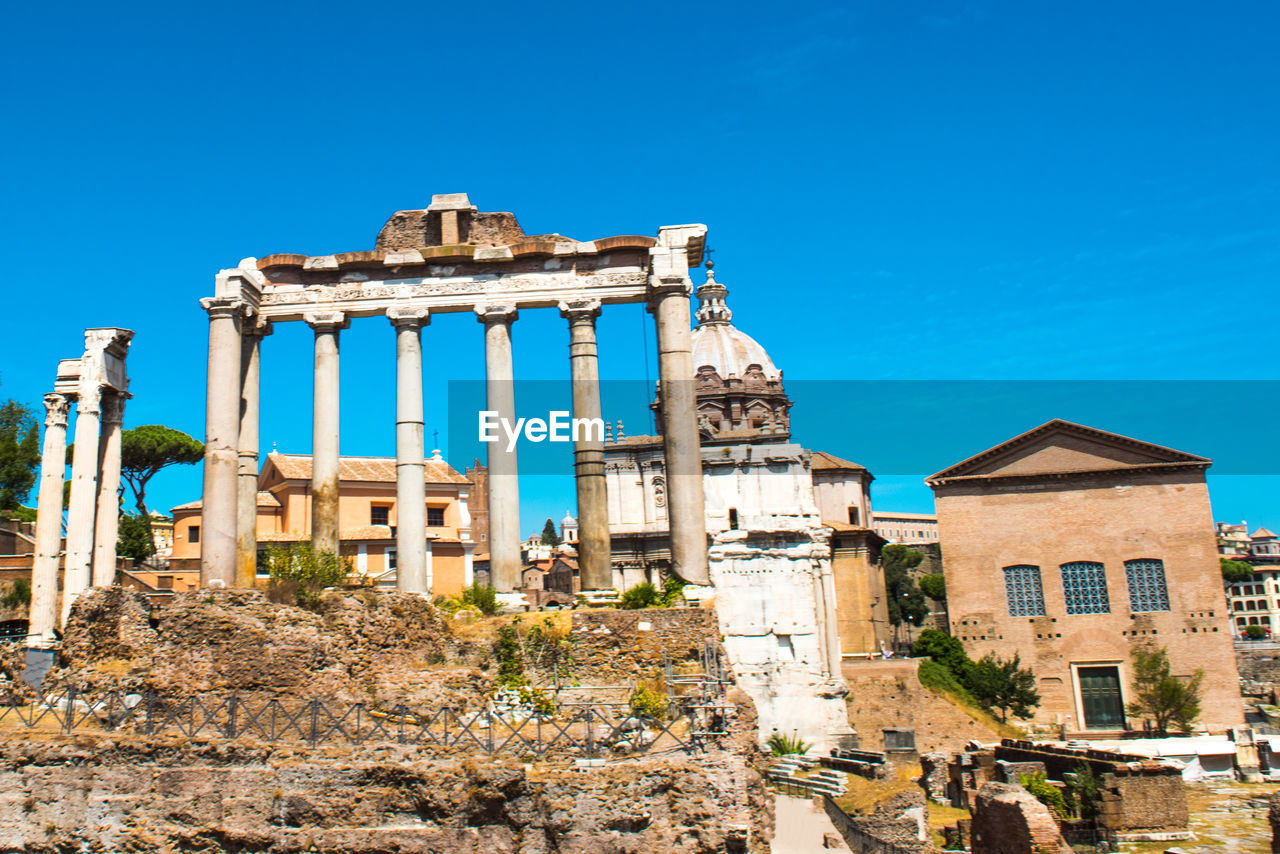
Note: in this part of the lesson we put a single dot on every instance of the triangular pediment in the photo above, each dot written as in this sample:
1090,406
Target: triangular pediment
1061,447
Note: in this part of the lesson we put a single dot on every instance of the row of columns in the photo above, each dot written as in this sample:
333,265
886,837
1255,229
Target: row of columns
228,551
93,515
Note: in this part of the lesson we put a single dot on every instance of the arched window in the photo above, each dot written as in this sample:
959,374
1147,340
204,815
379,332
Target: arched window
1024,591
1147,588
1084,587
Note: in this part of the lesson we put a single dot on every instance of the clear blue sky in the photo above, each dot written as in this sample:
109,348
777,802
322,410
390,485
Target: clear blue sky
992,191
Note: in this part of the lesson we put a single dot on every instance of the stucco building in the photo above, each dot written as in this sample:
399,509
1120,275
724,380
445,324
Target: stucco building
909,529
1072,546
793,563
367,515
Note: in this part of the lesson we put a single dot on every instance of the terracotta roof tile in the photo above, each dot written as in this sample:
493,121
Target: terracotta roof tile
265,499
821,460
361,469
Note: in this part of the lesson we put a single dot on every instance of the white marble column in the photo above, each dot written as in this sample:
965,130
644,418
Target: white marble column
254,331
221,443
596,573
107,527
669,302
43,616
325,459
504,481
81,514
411,494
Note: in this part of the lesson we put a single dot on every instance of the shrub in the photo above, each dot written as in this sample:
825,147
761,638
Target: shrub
939,678
643,595
1255,632
648,702
1046,793
783,745
19,595
312,570
672,591
1082,793
482,597
510,658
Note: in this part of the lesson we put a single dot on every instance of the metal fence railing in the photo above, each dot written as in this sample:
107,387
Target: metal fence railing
590,732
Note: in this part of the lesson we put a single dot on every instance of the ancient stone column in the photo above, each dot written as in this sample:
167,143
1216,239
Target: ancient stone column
669,302
828,626
504,484
221,443
247,458
411,494
588,446
43,616
107,527
81,514
324,430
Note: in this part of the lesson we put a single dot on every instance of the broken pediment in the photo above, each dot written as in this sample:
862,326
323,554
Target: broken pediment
1061,447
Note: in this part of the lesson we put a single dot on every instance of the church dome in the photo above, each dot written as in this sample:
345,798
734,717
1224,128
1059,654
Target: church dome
720,344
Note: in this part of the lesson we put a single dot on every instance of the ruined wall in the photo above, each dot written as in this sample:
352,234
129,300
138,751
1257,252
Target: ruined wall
892,827
1137,793
138,797
1008,820
889,694
614,647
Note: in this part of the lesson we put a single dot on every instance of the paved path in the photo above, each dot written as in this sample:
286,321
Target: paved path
799,827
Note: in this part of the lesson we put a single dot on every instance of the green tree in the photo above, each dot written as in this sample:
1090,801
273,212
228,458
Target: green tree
944,649
1004,686
19,454
482,597
1255,632
934,586
906,602
1161,697
549,535
135,538
1235,570
147,450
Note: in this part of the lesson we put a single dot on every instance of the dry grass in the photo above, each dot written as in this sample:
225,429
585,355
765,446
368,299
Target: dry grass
864,794
982,716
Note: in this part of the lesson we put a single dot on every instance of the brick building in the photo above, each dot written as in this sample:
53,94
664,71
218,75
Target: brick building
1071,546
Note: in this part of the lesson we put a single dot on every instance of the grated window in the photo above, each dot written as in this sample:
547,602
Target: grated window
1147,588
1024,591
1084,587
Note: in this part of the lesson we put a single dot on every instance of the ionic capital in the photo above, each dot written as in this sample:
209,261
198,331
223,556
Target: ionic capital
55,410
113,408
408,316
326,321
496,313
579,310
667,285
222,307
257,327
89,399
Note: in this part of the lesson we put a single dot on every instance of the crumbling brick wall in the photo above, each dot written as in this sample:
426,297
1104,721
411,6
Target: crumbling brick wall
892,827
1137,793
1009,820
617,646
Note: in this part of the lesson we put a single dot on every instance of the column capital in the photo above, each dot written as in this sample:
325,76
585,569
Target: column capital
113,408
496,313
326,321
89,399
224,307
577,310
257,327
408,315
662,286
55,407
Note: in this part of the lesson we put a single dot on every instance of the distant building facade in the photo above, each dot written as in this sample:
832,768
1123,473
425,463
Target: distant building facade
367,519
1072,546
906,528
